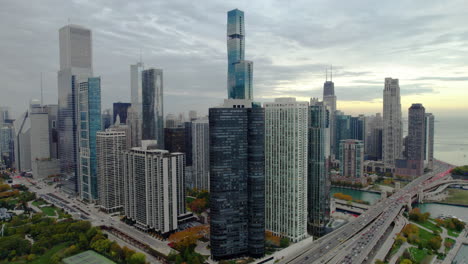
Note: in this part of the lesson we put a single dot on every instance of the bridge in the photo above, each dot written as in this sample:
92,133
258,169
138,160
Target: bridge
359,240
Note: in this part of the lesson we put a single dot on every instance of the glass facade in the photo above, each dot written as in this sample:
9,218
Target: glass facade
318,183
240,71
237,182
121,110
90,124
153,115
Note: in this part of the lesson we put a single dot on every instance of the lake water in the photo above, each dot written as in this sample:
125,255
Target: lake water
437,209
462,255
357,194
451,139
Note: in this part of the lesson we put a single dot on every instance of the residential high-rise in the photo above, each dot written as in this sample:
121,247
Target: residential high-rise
154,193
329,98
286,168
110,145
318,182
240,71
90,124
352,158
75,64
201,154
429,141
392,126
237,179
152,106
120,109
358,128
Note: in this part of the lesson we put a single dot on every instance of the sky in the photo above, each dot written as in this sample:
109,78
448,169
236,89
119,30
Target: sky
423,43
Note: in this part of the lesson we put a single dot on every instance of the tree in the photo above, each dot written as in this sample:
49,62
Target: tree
284,242
101,246
116,251
406,261
435,242
137,258
378,261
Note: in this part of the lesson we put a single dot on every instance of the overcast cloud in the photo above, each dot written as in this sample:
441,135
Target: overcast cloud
424,43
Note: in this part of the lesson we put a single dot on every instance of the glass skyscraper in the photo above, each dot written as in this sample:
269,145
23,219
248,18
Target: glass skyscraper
237,180
240,71
153,115
90,124
318,182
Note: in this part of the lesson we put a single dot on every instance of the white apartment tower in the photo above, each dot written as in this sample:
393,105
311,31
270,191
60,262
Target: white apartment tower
286,137
201,154
392,125
154,194
109,147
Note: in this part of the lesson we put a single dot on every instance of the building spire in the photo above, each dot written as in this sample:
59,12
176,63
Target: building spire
331,73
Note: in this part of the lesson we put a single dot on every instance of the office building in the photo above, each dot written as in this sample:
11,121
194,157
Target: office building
318,182
4,114
110,145
352,158
172,121
286,168
44,162
342,131
374,130
392,126
201,154
75,64
240,71
90,124
237,180
429,141
154,194
358,128
413,163
22,142
174,139
152,106
120,109
329,98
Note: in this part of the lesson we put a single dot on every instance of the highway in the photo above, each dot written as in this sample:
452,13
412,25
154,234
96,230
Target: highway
353,242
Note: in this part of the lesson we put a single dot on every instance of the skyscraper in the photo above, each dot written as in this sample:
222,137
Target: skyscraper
120,109
342,130
429,141
22,142
109,147
154,193
106,119
286,158
318,182
152,108
75,63
392,126
352,158
174,139
90,124
329,98
135,113
240,71
237,180
201,154
373,147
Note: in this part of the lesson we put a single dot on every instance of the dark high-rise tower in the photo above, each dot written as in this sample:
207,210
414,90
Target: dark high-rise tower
120,109
240,71
237,180
318,182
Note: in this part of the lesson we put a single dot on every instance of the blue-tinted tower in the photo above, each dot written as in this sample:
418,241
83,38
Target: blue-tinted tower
90,124
240,71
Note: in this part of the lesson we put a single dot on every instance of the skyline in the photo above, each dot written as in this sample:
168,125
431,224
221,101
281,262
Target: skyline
365,42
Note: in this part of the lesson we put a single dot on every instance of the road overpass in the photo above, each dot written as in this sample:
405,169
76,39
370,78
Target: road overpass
355,241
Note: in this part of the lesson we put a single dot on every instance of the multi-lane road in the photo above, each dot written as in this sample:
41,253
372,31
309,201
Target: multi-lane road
353,242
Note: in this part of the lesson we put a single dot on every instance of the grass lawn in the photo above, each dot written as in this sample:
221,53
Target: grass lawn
430,225
418,254
453,233
425,235
451,241
457,196
394,250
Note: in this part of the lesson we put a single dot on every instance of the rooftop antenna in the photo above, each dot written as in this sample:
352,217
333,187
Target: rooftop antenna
326,75
42,97
331,73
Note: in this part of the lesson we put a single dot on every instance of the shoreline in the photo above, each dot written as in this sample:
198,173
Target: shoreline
356,189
